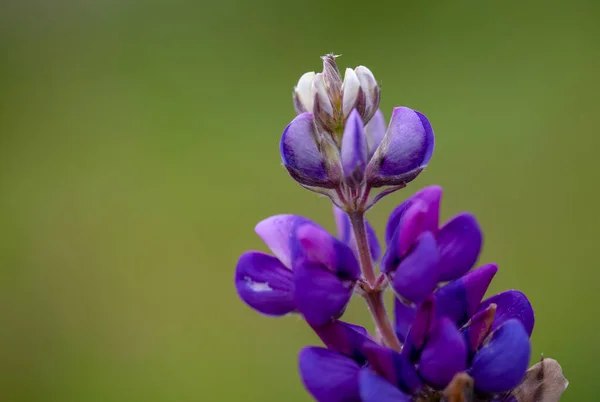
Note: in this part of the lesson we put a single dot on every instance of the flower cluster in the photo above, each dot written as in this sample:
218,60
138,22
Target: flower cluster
447,342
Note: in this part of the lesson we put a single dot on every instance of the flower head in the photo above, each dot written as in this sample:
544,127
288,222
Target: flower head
447,342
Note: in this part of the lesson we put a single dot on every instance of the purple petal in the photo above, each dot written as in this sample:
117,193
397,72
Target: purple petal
345,338
320,295
420,328
460,299
314,244
511,304
354,149
479,327
375,131
346,235
444,355
405,149
459,243
328,375
431,197
394,367
277,231
500,365
265,284
404,316
300,153
416,276
374,388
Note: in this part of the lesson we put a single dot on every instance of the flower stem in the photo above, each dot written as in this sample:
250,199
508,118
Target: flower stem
357,220
374,294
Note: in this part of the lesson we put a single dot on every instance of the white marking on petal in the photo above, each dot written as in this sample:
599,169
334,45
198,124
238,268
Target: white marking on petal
258,287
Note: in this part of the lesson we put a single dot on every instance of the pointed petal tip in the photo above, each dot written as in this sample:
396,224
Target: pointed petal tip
354,149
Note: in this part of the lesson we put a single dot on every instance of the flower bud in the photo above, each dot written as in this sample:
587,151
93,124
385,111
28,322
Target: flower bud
332,77
323,109
303,96
353,96
371,90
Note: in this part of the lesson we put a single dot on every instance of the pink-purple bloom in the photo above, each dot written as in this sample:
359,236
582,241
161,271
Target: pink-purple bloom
447,340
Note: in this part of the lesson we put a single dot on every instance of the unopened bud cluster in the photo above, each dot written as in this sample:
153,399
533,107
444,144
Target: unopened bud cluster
339,144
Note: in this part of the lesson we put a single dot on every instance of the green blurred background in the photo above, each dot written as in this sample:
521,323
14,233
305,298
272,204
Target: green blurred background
139,146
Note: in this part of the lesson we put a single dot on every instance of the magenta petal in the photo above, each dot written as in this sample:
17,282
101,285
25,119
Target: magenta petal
277,231
500,365
265,284
346,235
320,295
479,327
511,304
460,299
375,131
404,315
420,328
444,355
405,149
459,243
374,388
354,149
314,244
328,375
300,153
394,367
416,276
431,198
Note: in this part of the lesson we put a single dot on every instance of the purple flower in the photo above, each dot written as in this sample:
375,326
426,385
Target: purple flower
311,272
447,343
339,145
420,254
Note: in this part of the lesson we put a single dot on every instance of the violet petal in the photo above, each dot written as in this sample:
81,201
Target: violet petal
444,355
405,149
459,242
416,276
354,149
319,294
431,197
314,244
277,232
328,375
375,131
374,388
300,153
345,338
404,315
460,299
394,367
500,365
265,284
511,304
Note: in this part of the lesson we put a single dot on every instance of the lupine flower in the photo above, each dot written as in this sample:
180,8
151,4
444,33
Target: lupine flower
311,272
339,145
448,342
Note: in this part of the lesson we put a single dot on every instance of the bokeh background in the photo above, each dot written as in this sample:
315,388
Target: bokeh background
139,146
